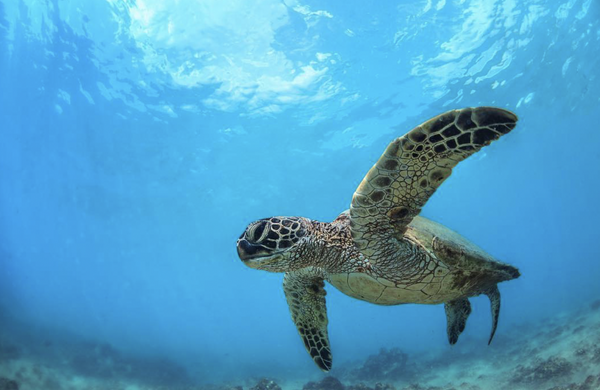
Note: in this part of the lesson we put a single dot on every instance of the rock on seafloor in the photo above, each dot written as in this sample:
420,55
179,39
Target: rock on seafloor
266,384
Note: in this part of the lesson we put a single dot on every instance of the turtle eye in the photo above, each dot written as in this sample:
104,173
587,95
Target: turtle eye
256,232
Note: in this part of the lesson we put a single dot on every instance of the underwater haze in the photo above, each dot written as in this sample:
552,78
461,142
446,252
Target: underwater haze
139,138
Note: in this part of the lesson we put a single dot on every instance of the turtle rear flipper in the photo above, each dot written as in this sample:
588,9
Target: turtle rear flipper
457,312
494,296
305,294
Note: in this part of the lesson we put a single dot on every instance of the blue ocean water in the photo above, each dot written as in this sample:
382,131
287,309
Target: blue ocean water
139,138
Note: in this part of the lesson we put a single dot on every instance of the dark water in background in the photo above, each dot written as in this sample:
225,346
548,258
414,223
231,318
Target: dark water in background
139,138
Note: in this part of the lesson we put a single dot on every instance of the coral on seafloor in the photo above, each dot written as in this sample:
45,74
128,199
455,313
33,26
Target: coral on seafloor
591,383
266,384
101,360
332,383
544,370
378,386
562,354
589,352
7,384
386,365
463,386
327,383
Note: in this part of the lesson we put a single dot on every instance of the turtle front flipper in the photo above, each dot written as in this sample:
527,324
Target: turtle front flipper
305,294
457,312
411,169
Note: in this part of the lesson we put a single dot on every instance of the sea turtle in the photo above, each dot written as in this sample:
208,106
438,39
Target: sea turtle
381,251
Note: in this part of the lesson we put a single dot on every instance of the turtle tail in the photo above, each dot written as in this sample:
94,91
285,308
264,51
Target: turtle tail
506,272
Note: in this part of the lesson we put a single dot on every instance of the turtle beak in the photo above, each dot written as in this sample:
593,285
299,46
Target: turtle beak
245,250
255,256
248,251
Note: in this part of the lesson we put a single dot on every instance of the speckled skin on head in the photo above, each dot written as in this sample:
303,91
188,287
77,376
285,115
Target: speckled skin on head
380,250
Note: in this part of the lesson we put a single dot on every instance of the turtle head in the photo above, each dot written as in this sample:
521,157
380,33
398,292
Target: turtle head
271,244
